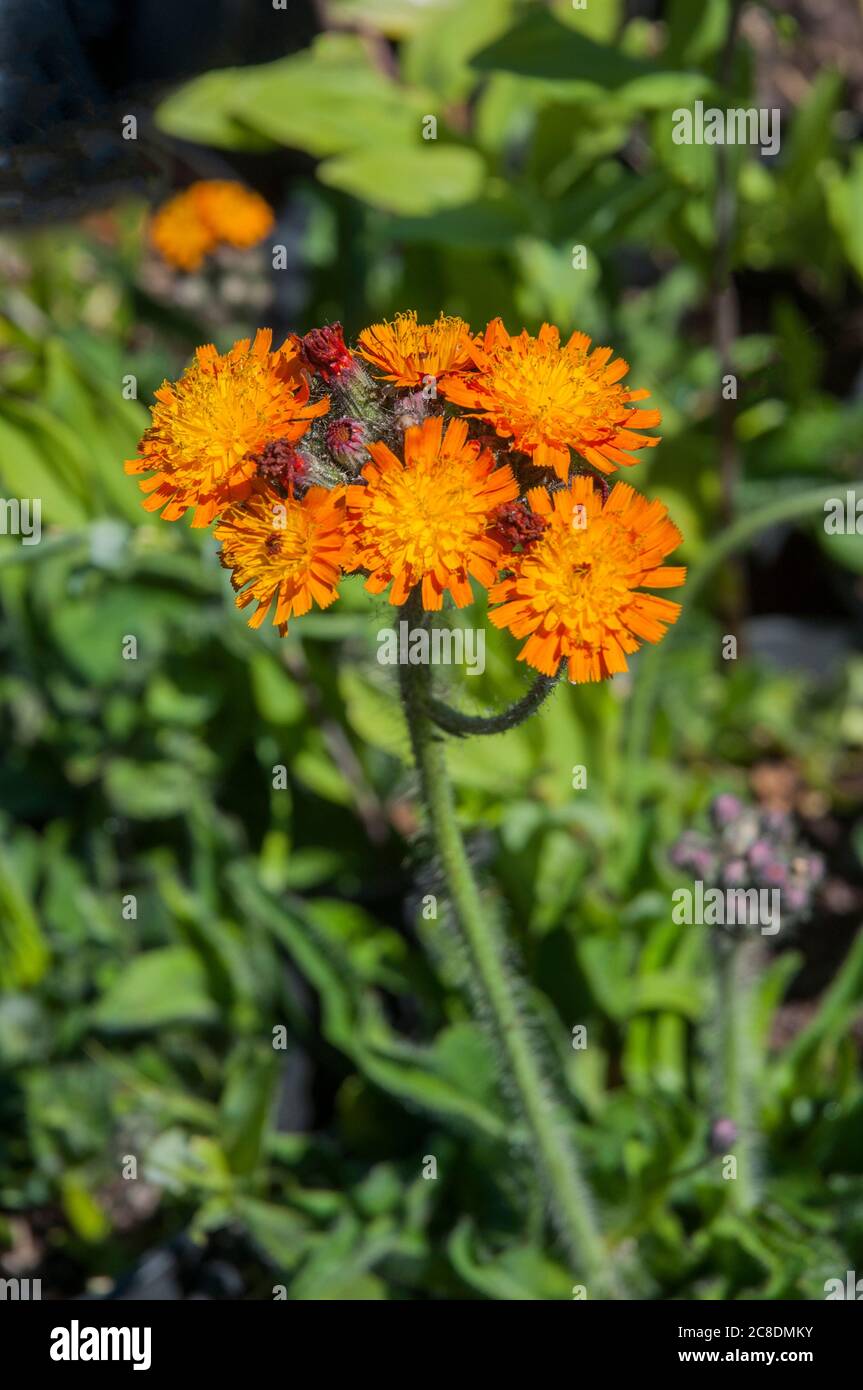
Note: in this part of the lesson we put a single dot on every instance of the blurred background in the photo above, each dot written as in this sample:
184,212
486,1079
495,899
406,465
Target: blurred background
229,1040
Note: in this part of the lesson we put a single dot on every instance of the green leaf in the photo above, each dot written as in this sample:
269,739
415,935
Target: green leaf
83,1212
25,1031
551,289
183,1163
189,708
380,1191
24,955
662,989
410,180
540,47
149,791
519,1274
415,1075
597,21
669,1052
310,952
250,1079
496,765
373,713
327,100
201,111
277,696
155,989
838,1005
340,1265
92,426
394,18
696,32
412,1077
436,56
463,1053
812,134
27,469
845,206
314,767
661,90
280,1234
89,630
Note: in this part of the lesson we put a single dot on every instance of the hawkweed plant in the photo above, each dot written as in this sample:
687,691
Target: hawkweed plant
427,459
751,856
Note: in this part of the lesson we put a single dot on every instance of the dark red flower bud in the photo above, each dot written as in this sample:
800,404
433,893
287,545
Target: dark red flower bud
282,466
324,351
514,524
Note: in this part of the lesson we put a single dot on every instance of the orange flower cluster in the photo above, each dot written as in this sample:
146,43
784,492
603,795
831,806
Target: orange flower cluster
193,223
320,461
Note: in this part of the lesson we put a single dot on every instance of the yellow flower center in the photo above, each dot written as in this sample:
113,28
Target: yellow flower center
425,515
223,417
543,393
580,577
284,552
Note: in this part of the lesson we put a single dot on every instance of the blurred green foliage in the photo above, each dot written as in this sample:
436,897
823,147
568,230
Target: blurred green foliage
143,1026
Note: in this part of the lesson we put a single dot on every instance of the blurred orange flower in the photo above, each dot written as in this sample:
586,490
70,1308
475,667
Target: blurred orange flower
235,214
192,223
179,235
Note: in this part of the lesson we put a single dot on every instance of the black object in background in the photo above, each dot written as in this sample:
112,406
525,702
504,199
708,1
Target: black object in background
71,69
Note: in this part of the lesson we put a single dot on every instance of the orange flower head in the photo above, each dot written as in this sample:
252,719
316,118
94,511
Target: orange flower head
285,548
549,399
574,592
406,352
427,520
235,214
192,223
179,235
209,426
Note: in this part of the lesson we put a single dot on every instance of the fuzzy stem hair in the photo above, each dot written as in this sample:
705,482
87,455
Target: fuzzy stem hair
552,1146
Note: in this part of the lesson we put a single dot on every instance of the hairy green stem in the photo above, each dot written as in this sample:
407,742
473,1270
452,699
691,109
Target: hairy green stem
552,1147
736,1060
454,722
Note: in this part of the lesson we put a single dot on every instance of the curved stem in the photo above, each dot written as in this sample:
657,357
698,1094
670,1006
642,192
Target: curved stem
454,722
553,1150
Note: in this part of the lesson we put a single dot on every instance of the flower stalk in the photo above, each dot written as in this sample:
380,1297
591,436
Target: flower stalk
452,721
552,1146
